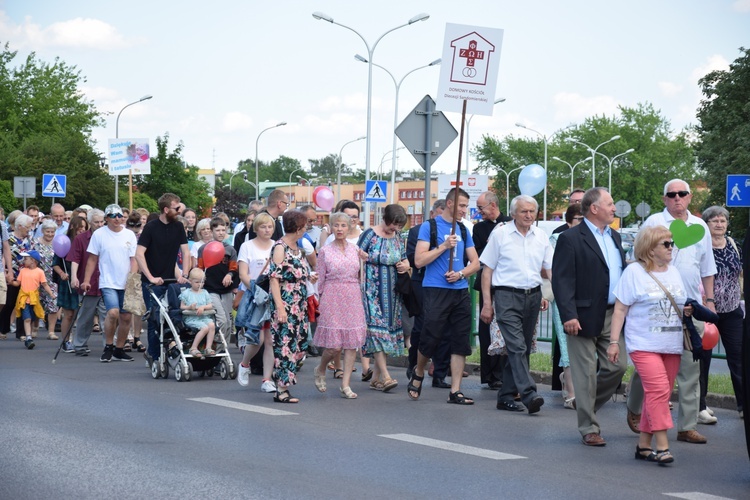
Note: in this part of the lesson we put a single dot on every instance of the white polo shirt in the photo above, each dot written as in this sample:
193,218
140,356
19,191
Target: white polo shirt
517,260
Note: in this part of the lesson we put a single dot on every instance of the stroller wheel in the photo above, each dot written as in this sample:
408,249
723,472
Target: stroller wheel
224,369
155,372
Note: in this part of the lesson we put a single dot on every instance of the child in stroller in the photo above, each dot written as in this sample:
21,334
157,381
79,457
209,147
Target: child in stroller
197,299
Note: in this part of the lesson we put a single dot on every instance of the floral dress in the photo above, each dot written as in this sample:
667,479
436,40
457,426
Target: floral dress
341,324
382,303
290,338
47,253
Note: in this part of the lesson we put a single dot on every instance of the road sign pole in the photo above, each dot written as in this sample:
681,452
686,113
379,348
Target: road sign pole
428,160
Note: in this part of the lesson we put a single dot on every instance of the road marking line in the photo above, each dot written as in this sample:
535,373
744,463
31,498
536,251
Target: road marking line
445,445
242,406
695,495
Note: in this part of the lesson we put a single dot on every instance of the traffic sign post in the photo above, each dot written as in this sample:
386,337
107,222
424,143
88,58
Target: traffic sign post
738,190
24,187
54,185
642,210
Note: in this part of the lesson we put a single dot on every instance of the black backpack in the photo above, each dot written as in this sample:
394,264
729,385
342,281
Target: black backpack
433,236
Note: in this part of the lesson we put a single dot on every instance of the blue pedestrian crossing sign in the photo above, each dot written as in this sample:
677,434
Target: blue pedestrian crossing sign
375,190
738,190
54,185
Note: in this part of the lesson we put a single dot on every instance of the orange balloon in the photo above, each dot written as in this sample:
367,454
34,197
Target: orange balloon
710,336
213,253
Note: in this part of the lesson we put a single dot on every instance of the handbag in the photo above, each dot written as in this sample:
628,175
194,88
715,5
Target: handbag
686,342
263,281
133,301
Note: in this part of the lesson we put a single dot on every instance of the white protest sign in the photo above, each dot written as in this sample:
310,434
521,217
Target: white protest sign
127,155
471,61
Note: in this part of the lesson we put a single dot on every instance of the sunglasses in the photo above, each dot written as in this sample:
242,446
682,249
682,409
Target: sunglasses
136,224
580,217
681,194
115,216
668,244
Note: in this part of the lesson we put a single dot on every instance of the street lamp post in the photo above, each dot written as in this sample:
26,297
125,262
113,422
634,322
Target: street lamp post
117,136
382,160
290,181
320,16
280,124
610,162
593,152
507,188
395,112
468,122
572,168
546,139
341,163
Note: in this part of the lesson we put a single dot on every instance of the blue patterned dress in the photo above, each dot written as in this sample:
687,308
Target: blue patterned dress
290,338
382,303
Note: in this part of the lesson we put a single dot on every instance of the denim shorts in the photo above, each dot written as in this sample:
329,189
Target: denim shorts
28,312
113,299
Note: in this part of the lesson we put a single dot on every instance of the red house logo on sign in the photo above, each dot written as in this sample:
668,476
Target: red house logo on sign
471,59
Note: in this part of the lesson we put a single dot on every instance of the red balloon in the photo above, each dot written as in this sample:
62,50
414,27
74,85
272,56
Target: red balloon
315,194
213,253
710,336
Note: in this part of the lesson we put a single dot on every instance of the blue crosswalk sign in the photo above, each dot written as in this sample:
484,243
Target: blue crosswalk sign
375,190
54,185
738,190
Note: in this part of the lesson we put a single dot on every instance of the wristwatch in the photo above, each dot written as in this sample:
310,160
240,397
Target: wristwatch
461,275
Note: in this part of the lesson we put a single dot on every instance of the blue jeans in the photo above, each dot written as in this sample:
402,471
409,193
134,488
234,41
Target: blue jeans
153,319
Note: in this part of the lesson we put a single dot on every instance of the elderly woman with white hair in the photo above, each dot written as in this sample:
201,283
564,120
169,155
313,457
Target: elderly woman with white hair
43,245
19,241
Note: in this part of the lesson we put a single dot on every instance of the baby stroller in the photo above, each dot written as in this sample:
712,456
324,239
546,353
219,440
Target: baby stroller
175,339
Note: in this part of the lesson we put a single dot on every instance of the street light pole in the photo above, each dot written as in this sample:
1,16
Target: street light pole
507,188
612,162
468,122
290,181
320,16
341,163
436,62
572,168
280,124
546,181
593,152
117,136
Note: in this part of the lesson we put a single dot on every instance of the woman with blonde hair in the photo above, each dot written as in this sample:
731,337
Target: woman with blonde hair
650,295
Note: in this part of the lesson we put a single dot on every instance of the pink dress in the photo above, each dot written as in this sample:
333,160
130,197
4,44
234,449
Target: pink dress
341,324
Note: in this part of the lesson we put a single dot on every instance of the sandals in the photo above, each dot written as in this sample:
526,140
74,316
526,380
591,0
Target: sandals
366,376
649,456
338,373
458,398
389,384
320,380
376,385
663,457
284,397
96,328
139,345
330,366
346,393
128,347
196,353
210,352
413,388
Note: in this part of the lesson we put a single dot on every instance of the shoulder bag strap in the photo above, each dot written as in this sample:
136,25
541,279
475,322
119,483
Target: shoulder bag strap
669,295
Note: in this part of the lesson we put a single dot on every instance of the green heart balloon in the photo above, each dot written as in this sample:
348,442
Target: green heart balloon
684,235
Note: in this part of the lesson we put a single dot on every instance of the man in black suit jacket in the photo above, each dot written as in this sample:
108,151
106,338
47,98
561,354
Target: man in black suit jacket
587,264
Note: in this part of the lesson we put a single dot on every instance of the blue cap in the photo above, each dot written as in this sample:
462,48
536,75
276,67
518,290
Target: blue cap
33,254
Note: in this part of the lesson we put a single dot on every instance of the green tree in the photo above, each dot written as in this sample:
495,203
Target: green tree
724,132
325,167
7,201
169,174
46,123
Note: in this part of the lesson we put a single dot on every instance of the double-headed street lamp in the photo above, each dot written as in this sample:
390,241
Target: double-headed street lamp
507,188
468,122
290,181
612,162
257,194
572,168
117,136
341,163
395,112
593,152
320,16
545,139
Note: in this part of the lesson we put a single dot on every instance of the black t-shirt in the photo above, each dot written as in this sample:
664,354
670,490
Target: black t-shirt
278,231
162,242
482,230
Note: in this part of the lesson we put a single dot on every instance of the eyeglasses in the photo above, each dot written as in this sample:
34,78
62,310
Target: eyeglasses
681,194
668,244
115,216
481,209
580,217
285,203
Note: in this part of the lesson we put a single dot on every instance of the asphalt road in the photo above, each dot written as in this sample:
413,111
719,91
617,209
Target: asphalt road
85,429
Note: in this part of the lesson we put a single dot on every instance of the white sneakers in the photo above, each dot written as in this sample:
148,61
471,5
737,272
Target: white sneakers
268,386
243,376
706,417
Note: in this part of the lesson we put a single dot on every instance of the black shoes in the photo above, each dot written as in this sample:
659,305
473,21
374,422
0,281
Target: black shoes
440,383
535,404
508,406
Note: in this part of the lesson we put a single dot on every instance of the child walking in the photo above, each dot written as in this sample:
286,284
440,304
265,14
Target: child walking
28,305
197,299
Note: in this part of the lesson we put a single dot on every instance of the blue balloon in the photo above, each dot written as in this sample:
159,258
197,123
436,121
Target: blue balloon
532,180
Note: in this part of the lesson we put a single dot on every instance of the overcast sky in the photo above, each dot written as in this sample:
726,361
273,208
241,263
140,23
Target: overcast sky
220,72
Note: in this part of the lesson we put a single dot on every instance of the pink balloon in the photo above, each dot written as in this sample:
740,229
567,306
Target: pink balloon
324,200
710,336
213,253
61,245
317,191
